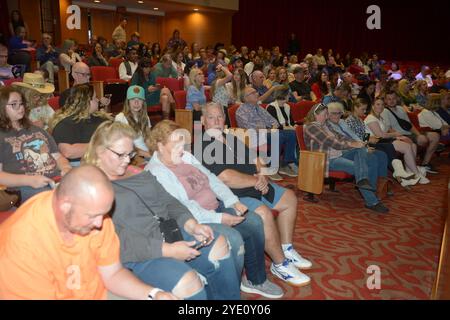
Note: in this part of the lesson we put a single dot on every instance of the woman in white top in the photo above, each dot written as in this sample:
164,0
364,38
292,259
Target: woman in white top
428,117
69,57
219,92
135,115
381,128
395,72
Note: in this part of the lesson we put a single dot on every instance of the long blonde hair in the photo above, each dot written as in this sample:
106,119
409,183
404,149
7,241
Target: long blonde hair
103,137
141,125
77,106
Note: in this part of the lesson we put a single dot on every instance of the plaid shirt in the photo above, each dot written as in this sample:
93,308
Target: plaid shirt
254,117
321,138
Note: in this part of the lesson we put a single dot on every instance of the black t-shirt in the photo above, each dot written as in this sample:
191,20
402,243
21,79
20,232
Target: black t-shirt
303,89
28,151
226,158
71,132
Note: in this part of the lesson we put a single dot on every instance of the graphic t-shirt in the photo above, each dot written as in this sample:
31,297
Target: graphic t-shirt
28,151
196,184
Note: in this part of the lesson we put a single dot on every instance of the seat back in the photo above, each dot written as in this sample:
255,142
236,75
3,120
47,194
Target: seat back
232,115
300,137
180,99
101,73
115,62
171,83
54,103
8,82
414,118
300,110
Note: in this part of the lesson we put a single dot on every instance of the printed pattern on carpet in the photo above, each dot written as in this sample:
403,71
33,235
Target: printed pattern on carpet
342,239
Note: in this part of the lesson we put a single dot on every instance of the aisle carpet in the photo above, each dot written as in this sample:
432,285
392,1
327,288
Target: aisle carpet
343,239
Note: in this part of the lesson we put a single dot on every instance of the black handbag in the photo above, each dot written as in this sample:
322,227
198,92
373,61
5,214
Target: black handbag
405,125
168,227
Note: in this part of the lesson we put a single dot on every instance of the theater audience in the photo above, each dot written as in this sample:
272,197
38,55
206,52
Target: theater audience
344,154
140,201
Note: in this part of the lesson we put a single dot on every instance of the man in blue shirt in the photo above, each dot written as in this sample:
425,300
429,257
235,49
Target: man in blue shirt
17,44
48,57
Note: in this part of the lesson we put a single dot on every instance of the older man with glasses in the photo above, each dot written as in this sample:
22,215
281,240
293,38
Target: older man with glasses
47,56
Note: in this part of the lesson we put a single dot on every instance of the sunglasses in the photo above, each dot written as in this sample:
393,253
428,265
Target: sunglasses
320,106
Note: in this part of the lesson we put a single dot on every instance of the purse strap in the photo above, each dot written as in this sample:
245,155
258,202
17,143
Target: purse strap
396,117
140,198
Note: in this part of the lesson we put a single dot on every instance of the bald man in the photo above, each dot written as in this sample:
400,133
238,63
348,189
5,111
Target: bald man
81,74
61,244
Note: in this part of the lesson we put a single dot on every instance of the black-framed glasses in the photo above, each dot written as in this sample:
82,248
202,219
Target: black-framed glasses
16,105
122,156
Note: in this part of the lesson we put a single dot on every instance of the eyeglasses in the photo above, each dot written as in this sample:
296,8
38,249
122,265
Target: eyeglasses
339,113
16,105
250,93
84,74
122,156
320,105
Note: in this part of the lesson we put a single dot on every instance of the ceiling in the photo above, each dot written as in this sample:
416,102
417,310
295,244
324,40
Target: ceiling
149,5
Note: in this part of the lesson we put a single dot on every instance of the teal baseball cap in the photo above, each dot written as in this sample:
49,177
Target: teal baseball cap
135,92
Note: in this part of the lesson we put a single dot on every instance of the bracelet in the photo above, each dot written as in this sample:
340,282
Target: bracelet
153,292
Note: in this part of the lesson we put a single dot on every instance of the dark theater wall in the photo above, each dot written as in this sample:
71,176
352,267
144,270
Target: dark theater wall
409,30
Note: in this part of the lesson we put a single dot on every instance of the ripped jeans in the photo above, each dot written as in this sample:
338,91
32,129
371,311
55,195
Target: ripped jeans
165,273
222,280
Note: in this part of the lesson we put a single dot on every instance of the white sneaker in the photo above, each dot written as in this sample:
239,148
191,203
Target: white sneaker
422,171
423,180
410,182
297,259
294,167
289,273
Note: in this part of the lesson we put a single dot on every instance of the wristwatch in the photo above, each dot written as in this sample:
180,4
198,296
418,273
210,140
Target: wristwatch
153,292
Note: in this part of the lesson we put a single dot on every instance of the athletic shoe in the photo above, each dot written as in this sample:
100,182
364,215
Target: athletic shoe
267,289
422,170
298,261
423,180
289,273
286,170
430,169
379,208
275,177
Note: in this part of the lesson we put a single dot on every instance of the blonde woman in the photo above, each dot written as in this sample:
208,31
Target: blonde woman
219,92
195,97
73,125
281,78
135,115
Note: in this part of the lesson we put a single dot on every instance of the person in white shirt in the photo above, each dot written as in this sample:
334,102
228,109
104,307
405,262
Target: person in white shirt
69,57
424,74
135,115
428,117
129,66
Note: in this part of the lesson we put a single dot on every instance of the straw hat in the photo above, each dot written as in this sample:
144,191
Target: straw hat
35,81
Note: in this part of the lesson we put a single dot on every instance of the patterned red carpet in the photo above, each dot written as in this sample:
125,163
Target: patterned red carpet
343,239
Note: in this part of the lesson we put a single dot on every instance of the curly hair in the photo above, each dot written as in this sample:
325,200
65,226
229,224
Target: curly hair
77,106
160,134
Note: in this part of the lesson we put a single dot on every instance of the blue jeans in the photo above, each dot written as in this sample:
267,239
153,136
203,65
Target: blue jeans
287,143
223,283
252,232
163,273
357,162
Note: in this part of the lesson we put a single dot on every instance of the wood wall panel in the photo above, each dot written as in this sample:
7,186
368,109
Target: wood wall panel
31,13
203,28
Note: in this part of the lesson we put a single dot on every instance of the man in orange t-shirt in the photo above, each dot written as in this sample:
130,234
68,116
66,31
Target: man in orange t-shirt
62,245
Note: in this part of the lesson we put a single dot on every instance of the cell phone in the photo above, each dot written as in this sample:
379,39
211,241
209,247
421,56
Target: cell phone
200,244
366,137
